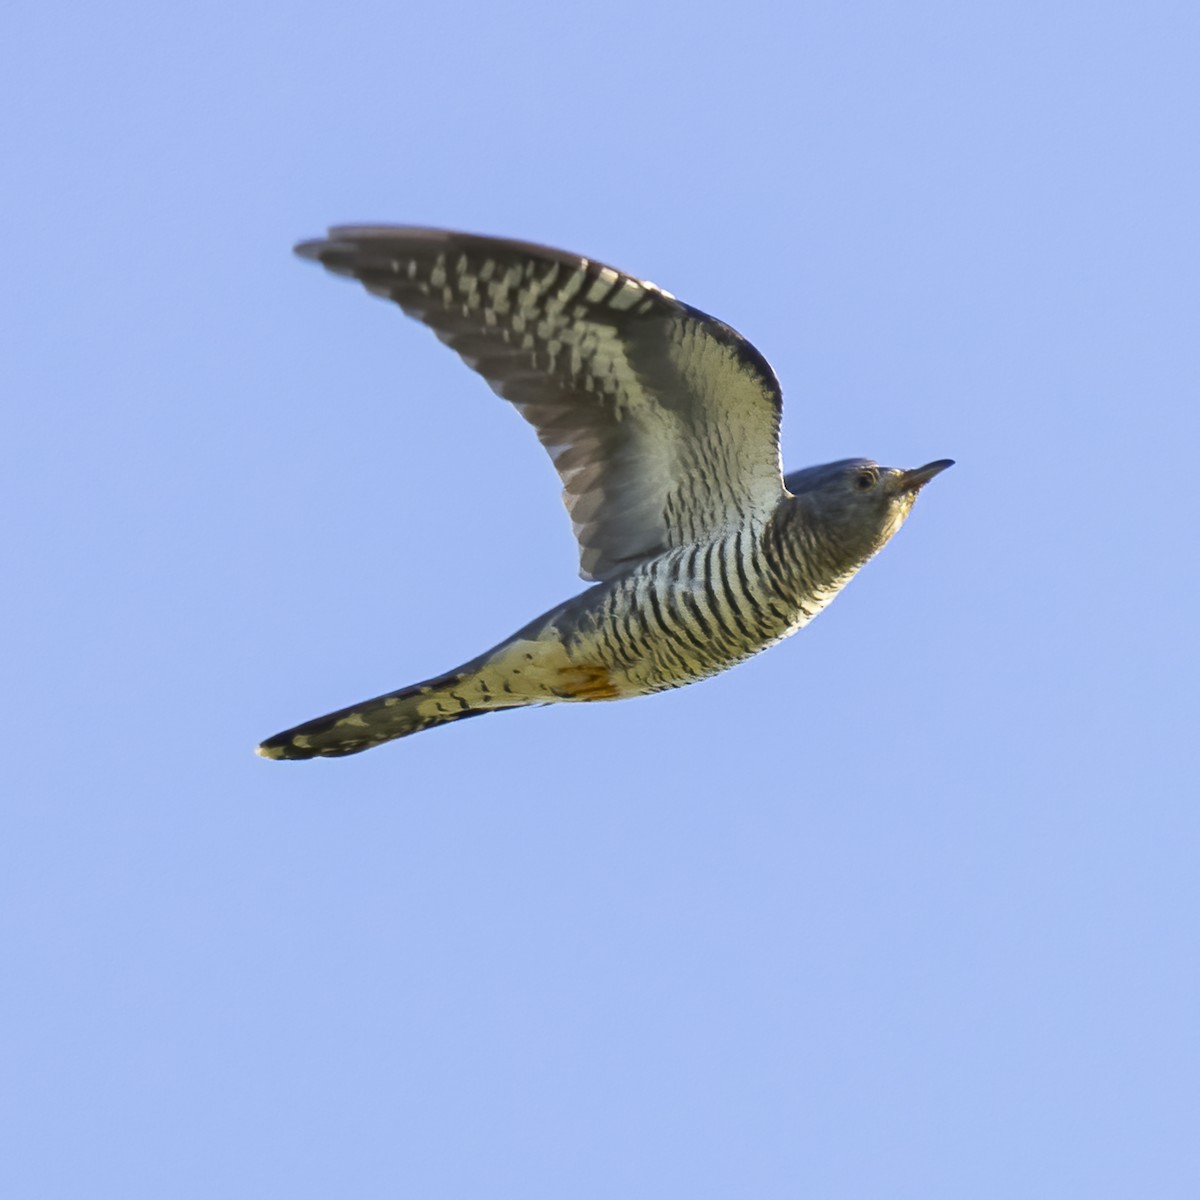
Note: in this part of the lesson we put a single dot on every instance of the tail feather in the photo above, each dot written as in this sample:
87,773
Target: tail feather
373,722
531,667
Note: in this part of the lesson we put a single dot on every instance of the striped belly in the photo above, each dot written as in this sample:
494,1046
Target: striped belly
692,613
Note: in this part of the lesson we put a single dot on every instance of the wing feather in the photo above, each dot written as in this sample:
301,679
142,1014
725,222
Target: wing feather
662,422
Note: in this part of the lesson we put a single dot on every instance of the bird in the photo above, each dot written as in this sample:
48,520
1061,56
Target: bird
663,425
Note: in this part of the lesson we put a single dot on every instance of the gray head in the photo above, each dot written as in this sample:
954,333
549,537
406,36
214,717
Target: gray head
856,503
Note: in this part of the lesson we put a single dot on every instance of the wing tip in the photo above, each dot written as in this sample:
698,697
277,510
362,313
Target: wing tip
357,238
310,249
365,232
345,247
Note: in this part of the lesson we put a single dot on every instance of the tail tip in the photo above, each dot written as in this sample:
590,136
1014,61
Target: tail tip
285,746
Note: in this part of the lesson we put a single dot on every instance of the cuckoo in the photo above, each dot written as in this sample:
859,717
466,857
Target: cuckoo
663,425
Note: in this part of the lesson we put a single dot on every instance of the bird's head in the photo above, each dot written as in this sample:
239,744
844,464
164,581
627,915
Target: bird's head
858,503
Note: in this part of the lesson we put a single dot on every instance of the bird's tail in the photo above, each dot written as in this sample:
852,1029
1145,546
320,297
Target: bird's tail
449,697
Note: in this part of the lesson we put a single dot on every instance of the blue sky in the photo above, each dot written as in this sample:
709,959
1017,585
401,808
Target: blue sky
906,907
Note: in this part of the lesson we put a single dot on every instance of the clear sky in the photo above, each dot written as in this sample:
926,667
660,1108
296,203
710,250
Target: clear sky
906,907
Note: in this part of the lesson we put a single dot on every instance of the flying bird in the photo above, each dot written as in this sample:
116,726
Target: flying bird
663,424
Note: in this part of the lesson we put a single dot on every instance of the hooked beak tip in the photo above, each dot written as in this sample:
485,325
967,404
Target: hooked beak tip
914,480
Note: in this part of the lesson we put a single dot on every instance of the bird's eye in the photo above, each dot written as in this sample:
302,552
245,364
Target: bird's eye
865,480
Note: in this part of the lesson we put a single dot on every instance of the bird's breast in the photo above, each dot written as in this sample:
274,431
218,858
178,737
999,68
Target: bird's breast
691,613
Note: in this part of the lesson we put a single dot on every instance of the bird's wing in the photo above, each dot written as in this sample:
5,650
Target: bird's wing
662,422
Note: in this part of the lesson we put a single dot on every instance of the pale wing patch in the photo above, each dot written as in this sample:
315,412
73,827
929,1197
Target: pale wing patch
731,399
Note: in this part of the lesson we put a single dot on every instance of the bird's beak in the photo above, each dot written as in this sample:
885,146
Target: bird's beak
916,479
